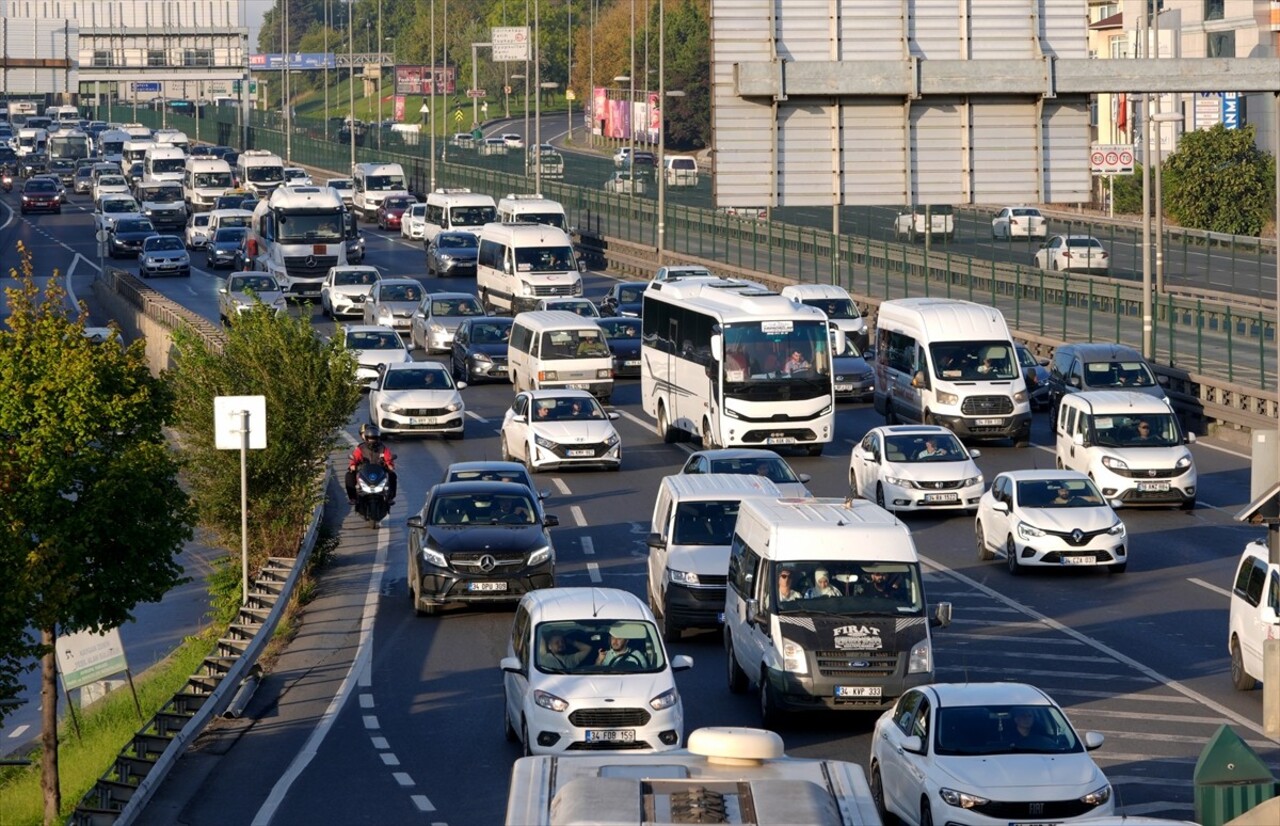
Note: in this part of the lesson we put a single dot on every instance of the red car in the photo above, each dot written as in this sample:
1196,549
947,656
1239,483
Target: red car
392,209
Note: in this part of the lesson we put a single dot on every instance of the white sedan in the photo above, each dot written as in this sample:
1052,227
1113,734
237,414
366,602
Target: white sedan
984,754
417,397
1053,518
373,346
413,223
549,429
512,140
1073,253
346,288
110,185
391,303
115,208
243,292
915,467
1019,222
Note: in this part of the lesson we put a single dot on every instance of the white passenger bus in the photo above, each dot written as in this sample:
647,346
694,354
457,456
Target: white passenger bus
736,364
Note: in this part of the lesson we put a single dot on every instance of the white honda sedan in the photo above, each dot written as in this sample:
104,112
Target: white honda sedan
915,467
984,754
1049,518
549,429
417,397
413,223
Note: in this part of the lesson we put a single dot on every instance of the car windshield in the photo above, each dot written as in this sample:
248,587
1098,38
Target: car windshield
1136,430
544,259
230,235
418,210
163,242
931,447
339,184
973,361
570,344
457,241
835,307
253,283
564,410
417,379
597,645
349,278
383,183
455,307
374,340
212,179
264,174
105,181
1026,359
495,333
120,206
619,329
1025,212
400,292
980,731
39,185
847,589
774,469
580,307
134,226
1058,493
397,203
705,523
163,195
1098,374
514,506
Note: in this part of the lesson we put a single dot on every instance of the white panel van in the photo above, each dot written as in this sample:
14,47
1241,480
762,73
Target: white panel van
518,264
556,348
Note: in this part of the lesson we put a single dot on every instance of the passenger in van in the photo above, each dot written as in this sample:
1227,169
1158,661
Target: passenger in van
589,347
785,592
562,655
1143,432
881,584
822,586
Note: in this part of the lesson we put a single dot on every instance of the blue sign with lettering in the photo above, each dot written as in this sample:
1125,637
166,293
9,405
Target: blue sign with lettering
297,60
145,86
1231,110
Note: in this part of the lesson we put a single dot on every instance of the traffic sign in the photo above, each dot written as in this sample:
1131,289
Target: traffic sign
506,90
510,43
476,93
457,115
1111,159
145,86
569,95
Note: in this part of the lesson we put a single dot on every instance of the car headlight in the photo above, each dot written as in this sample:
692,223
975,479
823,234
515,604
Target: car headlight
549,375
1029,531
184,261
385,312
604,373
1184,462
1117,529
1098,796
1115,463
454,406
1020,397
961,800
793,658
900,482
279,303
547,700
920,660
481,358
947,398
445,258
682,577
434,557
526,288
152,262
540,556
971,481
577,288
612,440
435,329
543,441
665,700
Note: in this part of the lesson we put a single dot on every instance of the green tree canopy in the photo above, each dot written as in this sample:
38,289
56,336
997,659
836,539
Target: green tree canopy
1220,181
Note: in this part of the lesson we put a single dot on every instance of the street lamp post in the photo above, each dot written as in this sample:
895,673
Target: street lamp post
426,109
663,95
326,70
381,41
631,106
568,75
1161,118
351,86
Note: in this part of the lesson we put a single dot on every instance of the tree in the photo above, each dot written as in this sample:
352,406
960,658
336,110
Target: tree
311,391
1220,181
93,516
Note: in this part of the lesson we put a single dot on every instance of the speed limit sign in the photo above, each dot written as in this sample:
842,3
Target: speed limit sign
1111,159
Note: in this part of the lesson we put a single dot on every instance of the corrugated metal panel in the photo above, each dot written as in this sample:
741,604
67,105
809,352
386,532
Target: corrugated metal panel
937,157
1004,29
204,15
933,28
1066,131
1062,28
875,163
806,156
872,30
1005,161
804,29
742,129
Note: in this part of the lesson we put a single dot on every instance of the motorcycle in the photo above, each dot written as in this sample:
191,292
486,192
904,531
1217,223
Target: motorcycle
7,182
373,489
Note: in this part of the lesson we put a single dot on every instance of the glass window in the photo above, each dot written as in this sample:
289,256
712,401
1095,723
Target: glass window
1220,44
973,360
984,730
1214,10
157,57
705,523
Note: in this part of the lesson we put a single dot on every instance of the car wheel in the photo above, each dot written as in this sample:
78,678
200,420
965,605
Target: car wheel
815,450
1240,678
737,678
528,463
1011,557
506,454
1057,462
929,419
431,270
709,436
770,714
671,631
880,494
665,431
508,730
1188,504
1118,568
877,796
524,739
853,485
926,813
984,553
413,595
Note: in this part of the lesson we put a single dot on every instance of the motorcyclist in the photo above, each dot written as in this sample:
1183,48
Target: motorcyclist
371,449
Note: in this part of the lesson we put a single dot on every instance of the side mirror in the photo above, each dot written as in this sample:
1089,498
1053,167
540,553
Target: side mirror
913,744
1162,380
461,385
655,541
582,265
613,415
804,478
511,665
550,521
941,615
414,522
1000,507
222,290
920,380
1191,438
681,662
974,454
506,267
1043,361
1078,440
1093,740
1074,381
753,609
543,494
1115,504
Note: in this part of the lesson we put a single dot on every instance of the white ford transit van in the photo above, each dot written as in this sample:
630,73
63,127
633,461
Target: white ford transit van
689,538
518,264
1255,614
1130,444
952,363
825,607
557,348
836,302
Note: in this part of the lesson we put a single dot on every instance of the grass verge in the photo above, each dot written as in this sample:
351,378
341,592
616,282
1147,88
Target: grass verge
106,726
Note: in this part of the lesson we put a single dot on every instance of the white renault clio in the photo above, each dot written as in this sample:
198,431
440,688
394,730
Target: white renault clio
586,670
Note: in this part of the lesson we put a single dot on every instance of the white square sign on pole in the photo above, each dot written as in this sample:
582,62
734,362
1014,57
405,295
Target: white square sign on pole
228,416
510,43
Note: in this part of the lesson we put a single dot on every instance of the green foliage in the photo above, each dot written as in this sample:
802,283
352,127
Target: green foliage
310,391
1128,197
1219,180
91,514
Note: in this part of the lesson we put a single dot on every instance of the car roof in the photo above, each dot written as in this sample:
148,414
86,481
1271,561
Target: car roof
717,486
1102,349
485,464
551,604
1105,402
737,453
400,281
473,487
994,693
366,328
433,366
451,295
1044,475
913,429
558,393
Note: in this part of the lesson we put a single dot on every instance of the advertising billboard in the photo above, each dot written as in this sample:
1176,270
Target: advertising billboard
297,60
416,80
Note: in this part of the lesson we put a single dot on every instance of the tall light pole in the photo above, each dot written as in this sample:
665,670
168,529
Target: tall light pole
591,77
326,70
1147,327
392,41
380,42
568,76
287,92
432,188
631,106
1161,118
351,85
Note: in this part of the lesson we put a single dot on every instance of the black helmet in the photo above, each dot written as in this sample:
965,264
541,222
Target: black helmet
370,433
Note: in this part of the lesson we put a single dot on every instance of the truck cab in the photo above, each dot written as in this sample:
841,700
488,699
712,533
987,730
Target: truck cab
299,235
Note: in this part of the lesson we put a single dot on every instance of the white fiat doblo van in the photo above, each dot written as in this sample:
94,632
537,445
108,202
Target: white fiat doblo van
1255,614
825,607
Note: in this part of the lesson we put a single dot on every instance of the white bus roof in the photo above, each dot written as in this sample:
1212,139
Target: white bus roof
804,529
731,299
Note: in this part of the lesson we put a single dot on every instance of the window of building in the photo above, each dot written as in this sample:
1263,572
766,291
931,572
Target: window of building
102,57
1220,44
1119,47
157,57
197,57
1214,10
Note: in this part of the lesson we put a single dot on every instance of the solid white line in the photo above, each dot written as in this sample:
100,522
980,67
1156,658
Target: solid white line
364,654
578,518
1220,591
18,731
423,804
8,209
1134,715
1144,780
965,668
389,758
1151,673
366,701
1225,450
631,417
594,571
588,547
403,778
561,486
478,417
371,722
380,743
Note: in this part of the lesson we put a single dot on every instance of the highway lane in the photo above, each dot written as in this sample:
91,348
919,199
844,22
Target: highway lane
1139,656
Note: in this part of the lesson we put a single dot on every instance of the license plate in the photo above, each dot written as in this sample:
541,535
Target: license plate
498,371
486,586
942,497
858,691
611,735
635,363
1079,560
577,454
780,440
421,420
989,422
1036,823
1159,487
577,387
844,388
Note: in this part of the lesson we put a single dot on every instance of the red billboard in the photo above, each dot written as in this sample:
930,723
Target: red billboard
416,80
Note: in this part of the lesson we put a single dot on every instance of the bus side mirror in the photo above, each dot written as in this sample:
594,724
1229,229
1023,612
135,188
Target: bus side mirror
717,347
506,267
837,339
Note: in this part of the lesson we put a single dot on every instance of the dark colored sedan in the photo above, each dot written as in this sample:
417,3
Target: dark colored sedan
452,253
126,237
624,345
65,169
41,195
480,349
221,251
31,165
135,172
1037,376
392,210
853,377
624,299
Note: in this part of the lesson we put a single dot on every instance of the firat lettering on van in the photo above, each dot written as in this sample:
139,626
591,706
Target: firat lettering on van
857,638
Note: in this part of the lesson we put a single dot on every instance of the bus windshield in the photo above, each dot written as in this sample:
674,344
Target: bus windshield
775,360
847,588
295,227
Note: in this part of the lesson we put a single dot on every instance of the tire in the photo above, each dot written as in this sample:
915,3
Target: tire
853,485
1240,678
880,495
508,730
417,601
665,431
529,465
486,303
1118,568
929,419
890,417
671,632
984,553
1057,462
505,453
737,678
926,814
877,796
524,739
815,450
770,714
708,436
1188,504
1011,557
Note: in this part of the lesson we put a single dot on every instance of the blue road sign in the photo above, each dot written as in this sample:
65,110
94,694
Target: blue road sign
297,60
145,86
1231,110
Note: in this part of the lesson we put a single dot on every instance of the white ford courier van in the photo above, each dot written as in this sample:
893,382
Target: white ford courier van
1255,614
